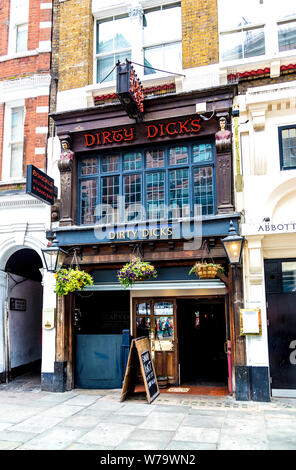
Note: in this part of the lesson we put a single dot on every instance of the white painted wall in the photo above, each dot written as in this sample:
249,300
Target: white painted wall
25,327
268,192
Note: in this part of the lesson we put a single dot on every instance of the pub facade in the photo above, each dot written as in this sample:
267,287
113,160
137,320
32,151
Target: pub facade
156,186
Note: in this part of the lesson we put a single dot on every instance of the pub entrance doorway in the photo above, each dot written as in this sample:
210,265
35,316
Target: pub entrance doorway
201,340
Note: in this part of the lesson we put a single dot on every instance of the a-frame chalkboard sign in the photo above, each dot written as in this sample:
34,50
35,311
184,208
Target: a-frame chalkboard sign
140,355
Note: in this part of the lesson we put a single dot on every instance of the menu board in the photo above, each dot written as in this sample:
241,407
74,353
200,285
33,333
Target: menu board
143,358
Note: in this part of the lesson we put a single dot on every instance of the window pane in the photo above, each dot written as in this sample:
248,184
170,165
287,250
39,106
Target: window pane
110,198
172,54
143,327
113,35
143,308
154,21
164,328
21,38
110,164
179,193
163,308
287,36
132,161
132,197
17,124
88,201
289,147
155,193
89,166
289,276
178,155
202,153
234,14
153,57
231,46
203,190
167,57
16,160
254,42
104,66
154,158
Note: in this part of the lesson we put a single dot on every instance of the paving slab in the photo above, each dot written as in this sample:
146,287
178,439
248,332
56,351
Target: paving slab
62,410
37,424
204,421
123,419
17,413
107,434
187,445
16,435
83,399
130,444
162,421
57,438
195,434
163,437
138,409
7,445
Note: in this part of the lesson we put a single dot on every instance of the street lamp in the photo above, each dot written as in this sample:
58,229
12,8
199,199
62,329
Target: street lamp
54,257
233,246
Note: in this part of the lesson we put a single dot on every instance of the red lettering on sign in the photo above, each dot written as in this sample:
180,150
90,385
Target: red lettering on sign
195,125
167,128
129,136
152,131
183,127
88,142
106,137
117,135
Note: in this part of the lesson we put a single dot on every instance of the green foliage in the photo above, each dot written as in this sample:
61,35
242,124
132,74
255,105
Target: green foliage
70,280
135,271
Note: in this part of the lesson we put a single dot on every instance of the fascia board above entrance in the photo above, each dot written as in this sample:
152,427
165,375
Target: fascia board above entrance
209,284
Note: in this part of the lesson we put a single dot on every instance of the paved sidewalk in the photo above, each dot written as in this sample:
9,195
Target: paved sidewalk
31,419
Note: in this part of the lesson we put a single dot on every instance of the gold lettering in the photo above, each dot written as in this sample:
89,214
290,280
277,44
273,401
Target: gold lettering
135,233
170,231
112,235
155,232
145,232
162,232
121,235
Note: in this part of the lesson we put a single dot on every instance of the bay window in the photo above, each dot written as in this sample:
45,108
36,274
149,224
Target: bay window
165,182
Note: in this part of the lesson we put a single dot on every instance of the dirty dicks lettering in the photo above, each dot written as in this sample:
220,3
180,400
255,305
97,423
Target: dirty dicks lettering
152,131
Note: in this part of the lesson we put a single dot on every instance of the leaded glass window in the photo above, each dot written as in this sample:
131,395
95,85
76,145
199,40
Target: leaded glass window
159,183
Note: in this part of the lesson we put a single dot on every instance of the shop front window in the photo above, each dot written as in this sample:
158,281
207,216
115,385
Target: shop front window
156,184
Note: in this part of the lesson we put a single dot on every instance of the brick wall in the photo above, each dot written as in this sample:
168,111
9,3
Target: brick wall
75,44
200,41
36,120
4,22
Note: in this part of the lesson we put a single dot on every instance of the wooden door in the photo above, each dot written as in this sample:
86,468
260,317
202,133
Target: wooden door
156,319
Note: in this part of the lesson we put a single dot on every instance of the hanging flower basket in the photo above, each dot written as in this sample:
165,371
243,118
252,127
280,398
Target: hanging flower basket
71,280
206,270
136,270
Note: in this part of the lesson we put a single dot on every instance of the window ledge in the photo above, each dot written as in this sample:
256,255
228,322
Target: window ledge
259,61
12,181
19,55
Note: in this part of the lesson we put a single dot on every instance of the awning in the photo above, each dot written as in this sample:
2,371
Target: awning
207,284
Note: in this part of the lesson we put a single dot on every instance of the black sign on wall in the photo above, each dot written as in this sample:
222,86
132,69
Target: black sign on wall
40,185
129,90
